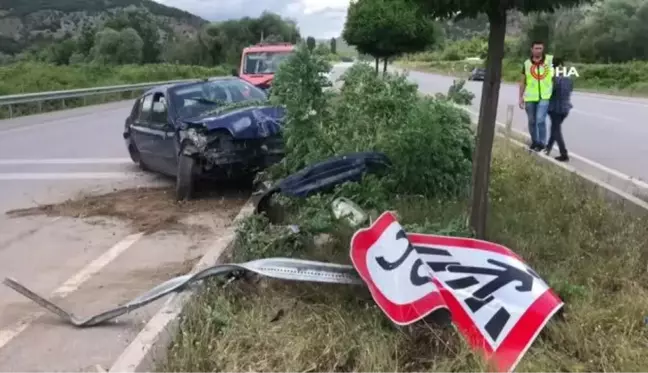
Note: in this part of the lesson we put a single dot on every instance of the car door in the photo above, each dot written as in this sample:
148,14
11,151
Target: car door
140,131
163,134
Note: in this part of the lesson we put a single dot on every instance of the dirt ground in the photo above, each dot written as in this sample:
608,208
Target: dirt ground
146,209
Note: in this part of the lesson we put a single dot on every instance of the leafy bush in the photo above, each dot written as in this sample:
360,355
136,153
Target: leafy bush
457,93
429,141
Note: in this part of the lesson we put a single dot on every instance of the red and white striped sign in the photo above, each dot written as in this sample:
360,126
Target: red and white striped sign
497,302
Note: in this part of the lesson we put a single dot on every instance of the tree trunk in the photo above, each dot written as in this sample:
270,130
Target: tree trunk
486,123
384,66
377,65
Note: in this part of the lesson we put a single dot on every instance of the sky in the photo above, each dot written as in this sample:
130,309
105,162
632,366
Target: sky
322,19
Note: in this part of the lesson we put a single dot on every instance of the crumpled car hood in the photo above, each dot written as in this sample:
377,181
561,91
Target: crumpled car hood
245,123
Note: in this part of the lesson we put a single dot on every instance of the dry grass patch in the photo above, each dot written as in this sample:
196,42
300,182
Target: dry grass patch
593,254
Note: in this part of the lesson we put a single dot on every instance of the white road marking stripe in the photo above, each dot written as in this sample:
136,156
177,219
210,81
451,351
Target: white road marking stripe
66,161
72,284
596,115
66,175
636,181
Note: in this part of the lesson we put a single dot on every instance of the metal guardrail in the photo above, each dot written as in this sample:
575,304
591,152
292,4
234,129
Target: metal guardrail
39,97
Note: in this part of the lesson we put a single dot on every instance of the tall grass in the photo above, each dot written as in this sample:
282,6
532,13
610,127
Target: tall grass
30,77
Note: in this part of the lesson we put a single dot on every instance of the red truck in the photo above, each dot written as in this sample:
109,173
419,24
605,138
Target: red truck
260,62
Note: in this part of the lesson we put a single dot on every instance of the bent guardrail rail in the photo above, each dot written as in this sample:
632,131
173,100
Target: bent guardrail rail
39,97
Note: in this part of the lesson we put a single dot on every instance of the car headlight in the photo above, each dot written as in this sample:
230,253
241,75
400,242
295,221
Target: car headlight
242,124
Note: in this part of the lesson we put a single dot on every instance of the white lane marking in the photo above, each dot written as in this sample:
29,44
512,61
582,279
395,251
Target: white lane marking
72,284
66,175
638,182
596,115
617,99
45,119
11,162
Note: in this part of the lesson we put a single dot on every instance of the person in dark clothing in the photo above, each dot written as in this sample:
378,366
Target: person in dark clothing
559,107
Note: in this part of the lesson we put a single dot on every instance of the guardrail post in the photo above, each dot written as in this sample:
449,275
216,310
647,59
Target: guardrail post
10,111
40,106
63,102
509,122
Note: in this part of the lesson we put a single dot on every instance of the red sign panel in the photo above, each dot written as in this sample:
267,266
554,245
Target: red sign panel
381,255
497,302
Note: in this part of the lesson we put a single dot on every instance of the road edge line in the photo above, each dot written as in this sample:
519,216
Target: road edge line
610,190
637,182
611,193
151,342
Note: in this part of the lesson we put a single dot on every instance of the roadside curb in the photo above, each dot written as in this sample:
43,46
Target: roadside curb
612,193
151,343
629,202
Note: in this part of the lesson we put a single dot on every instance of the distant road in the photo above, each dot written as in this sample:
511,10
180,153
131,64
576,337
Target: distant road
610,130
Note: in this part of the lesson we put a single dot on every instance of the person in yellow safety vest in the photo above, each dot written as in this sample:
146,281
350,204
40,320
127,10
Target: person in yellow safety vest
536,87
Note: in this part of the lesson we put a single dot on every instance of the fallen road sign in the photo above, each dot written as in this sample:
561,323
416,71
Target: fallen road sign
388,264
497,302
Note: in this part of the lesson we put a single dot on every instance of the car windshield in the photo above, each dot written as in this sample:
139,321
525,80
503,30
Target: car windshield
198,98
264,62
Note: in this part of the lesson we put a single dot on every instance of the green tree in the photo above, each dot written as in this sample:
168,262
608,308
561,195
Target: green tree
184,50
387,28
106,45
333,46
496,11
223,42
60,53
146,25
322,49
130,49
310,43
211,42
85,39
272,38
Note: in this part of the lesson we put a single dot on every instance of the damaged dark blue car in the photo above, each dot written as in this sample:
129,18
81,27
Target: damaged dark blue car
220,128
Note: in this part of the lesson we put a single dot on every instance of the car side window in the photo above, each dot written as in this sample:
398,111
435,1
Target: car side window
136,109
159,111
145,110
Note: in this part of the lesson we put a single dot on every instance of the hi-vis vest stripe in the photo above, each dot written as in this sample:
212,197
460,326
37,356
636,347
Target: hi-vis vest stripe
539,89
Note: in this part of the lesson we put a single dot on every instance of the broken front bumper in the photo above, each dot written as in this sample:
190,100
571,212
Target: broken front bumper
243,156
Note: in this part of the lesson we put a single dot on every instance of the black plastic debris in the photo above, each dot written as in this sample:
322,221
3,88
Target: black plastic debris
324,176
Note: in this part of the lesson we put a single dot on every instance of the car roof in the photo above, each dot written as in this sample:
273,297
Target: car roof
270,48
165,87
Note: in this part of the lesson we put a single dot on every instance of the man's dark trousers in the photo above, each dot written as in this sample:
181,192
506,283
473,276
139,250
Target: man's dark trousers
556,132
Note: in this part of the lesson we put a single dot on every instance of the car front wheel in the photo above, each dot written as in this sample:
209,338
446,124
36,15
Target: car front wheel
185,178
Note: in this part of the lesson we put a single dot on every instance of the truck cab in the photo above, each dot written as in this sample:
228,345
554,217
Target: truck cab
260,62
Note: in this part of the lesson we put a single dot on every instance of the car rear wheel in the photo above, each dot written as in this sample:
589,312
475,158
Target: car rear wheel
185,178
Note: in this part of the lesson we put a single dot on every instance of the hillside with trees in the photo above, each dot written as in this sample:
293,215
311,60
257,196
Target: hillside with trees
130,35
26,26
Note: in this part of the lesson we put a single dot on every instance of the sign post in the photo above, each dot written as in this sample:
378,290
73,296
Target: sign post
509,123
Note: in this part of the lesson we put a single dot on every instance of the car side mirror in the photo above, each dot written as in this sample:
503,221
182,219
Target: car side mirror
235,72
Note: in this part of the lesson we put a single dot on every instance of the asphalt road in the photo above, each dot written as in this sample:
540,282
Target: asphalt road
89,265
609,130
